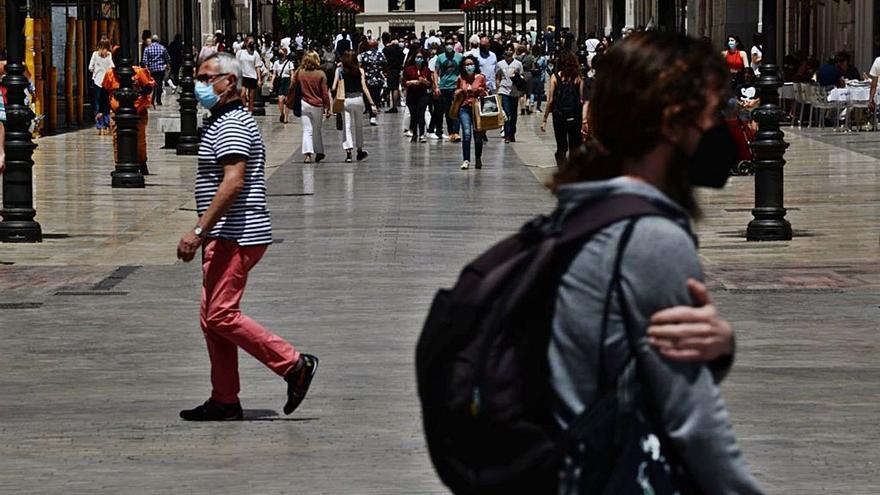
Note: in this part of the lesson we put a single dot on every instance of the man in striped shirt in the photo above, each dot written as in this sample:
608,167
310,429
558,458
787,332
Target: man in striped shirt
233,230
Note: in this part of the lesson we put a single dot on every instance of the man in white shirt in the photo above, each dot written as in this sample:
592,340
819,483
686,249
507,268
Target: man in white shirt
756,53
488,62
875,75
432,40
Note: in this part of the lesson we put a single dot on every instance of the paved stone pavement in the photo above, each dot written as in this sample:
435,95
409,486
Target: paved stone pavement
102,347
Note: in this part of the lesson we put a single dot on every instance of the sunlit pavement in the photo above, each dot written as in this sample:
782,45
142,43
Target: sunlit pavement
101,345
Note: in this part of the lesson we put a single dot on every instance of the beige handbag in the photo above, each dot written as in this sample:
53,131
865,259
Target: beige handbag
339,101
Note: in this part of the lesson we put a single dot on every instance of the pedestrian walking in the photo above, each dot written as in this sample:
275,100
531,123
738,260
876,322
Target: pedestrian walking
566,105
351,75
528,62
99,64
252,72
315,101
470,86
175,51
417,81
144,85
156,59
539,78
649,264
511,83
208,48
488,61
446,72
234,230
281,70
373,63
394,56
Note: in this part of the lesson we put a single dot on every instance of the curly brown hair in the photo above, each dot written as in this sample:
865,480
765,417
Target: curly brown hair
646,80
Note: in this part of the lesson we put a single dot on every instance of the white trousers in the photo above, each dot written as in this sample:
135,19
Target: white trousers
312,118
353,119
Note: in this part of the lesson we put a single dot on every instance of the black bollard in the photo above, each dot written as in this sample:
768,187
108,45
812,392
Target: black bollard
18,213
188,143
128,171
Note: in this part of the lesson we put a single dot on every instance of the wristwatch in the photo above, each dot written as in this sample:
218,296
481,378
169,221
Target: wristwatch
200,232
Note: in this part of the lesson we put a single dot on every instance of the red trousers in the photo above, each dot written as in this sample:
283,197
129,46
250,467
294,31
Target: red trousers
225,267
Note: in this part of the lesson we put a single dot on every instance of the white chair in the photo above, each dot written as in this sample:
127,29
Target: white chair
817,98
852,105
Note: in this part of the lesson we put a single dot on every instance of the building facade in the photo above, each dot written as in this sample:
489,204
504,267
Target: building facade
818,28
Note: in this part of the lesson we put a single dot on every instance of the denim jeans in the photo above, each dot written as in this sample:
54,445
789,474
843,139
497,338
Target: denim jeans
510,104
102,106
446,98
466,120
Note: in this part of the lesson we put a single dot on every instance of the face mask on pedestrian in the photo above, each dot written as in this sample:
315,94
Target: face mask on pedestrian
484,48
419,60
731,44
450,49
470,69
715,155
205,94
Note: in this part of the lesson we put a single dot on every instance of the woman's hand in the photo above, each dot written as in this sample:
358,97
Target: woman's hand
688,333
543,126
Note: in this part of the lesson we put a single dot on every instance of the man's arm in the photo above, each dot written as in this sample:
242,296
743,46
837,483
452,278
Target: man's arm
227,193
872,94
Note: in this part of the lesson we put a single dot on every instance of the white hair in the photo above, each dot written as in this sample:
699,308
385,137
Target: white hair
228,65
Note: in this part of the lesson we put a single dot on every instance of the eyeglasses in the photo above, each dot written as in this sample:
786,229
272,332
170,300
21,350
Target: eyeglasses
210,77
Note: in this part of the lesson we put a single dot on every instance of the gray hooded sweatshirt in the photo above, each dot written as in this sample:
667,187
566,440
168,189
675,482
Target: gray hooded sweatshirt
660,257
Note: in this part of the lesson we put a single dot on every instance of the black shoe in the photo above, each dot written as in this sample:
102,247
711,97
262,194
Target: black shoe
361,154
414,139
212,410
144,169
298,381
319,157
348,157
479,163
393,110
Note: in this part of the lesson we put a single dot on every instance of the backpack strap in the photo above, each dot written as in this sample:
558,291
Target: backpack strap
604,212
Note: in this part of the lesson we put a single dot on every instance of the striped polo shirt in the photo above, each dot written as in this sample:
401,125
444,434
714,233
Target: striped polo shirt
232,133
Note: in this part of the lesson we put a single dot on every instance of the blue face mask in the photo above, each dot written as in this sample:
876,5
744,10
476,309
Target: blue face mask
731,44
419,60
470,69
205,94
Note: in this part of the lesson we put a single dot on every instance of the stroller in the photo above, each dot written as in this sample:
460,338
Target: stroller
743,135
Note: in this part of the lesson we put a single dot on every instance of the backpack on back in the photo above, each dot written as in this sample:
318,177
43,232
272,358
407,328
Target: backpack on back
481,360
567,99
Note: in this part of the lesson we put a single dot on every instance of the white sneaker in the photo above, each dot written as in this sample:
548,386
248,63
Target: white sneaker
373,121
423,139
445,136
465,164
433,135
407,133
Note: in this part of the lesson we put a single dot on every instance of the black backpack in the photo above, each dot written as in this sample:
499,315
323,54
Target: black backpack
483,375
567,99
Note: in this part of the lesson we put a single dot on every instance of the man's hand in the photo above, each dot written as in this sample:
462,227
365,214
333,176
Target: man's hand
544,126
686,333
189,244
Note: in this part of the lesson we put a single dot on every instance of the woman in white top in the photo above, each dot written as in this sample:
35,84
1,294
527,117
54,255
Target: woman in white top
100,63
281,71
251,72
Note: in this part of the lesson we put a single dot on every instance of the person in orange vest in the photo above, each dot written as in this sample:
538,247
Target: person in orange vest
143,84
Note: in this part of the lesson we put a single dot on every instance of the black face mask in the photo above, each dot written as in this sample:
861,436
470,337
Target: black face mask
716,154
